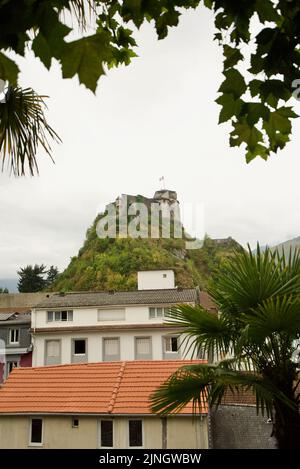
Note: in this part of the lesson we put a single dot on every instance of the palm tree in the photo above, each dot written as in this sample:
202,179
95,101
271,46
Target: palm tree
257,331
23,127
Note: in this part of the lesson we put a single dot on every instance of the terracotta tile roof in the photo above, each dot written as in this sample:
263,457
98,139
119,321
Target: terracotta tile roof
118,298
207,302
94,388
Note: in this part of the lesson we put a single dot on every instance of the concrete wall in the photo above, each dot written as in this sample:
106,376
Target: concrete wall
181,432
156,279
95,345
22,300
239,427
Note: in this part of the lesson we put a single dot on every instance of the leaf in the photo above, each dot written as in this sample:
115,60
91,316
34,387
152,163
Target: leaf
53,32
234,83
131,10
259,150
232,56
231,107
8,69
85,58
256,111
266,11
278,127
42,50
254,87
244,133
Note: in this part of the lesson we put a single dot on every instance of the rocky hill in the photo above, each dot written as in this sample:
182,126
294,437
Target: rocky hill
112,263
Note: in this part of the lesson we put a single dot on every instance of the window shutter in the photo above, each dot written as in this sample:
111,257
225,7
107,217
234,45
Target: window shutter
117,314
143,346
111,346
53,348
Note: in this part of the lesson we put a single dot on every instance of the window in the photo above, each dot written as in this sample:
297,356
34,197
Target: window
107,433
36,431
143,348
135,433
52,352
59,316
117,314
79,351
158,312
75,422
10,366
111,349
171,344
79,346
14,336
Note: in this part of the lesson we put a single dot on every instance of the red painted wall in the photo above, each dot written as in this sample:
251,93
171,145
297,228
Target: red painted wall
1,372
26,359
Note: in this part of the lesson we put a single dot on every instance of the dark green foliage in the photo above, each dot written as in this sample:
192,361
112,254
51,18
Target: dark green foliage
3,290
52,275
32,278
254,340
262,126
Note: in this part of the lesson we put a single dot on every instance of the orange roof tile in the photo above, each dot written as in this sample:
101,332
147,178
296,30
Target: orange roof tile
97,388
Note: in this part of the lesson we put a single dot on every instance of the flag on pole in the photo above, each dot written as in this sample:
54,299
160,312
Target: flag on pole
162,179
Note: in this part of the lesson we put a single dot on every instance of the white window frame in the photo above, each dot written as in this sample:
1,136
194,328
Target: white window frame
30,431
143,434
100,433
13,332
156,308
52,313
86,346
170,337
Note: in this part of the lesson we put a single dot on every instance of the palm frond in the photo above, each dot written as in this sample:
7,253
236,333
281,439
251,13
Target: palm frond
82,10
204,332
202,383
247,280
23,128
276,315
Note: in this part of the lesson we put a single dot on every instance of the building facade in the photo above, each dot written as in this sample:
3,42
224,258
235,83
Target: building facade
100,405
15,342
103,326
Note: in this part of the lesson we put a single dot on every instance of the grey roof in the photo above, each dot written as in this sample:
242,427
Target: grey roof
5,316
15,318
143,297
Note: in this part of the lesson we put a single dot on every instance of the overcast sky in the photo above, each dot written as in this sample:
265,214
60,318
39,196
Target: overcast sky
156,117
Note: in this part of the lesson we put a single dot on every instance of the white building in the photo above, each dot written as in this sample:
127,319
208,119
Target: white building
109,326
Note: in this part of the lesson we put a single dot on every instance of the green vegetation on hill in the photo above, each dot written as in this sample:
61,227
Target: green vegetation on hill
111,264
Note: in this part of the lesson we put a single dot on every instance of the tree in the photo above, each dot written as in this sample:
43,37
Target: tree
258,329
3,290
32,278
253,101
52,275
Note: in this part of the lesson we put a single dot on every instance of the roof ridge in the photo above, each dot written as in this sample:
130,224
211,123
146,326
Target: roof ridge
116,389
89,292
